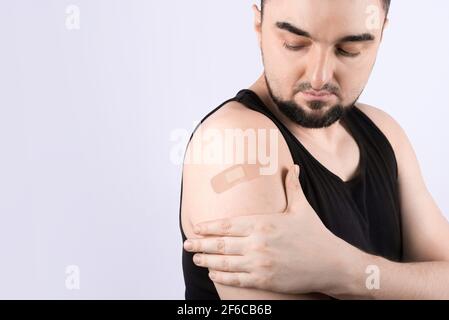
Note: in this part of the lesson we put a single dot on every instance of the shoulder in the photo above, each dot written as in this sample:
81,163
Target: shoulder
235,125
235,115
387,125
409,172
233,136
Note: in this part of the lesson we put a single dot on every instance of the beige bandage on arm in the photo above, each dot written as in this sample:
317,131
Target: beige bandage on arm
233,176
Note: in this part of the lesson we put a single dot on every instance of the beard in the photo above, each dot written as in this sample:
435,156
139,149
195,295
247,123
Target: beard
314,119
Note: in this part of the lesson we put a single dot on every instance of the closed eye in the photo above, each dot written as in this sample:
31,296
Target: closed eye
293,47
345,53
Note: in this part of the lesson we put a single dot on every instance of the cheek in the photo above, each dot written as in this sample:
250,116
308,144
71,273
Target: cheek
283,71
353,79
351,86
282,76
278,60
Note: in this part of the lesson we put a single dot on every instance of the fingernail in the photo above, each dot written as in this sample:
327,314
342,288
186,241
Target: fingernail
196,259
212,275
188,245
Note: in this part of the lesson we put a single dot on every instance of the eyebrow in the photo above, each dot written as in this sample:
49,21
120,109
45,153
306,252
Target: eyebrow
358,38
292,29
299,32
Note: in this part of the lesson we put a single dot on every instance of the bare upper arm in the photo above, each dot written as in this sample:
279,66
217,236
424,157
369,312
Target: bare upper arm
425,229
265,194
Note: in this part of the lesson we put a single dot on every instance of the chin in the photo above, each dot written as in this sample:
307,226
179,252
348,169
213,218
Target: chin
318,106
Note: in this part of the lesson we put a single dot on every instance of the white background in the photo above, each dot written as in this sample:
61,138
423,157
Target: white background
86,118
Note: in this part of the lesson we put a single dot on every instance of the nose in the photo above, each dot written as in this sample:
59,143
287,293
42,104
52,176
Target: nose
320,68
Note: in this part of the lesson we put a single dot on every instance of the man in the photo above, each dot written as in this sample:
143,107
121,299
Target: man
359,222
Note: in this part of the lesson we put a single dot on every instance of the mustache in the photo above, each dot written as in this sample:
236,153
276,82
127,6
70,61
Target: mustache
306,86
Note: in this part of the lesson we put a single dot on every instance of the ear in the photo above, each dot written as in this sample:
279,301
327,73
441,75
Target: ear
257,22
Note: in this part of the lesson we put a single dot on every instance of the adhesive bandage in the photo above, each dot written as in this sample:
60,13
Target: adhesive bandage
233,176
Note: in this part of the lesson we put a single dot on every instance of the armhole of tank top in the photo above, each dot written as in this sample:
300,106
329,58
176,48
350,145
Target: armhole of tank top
371,123
183,235
190,139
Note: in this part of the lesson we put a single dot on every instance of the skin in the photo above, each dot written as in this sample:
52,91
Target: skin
254,227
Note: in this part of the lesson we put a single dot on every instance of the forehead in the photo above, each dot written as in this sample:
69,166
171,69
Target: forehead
328,19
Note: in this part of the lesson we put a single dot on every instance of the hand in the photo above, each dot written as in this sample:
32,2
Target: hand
288,252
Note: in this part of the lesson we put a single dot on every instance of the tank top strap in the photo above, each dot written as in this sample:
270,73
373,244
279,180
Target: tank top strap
252,101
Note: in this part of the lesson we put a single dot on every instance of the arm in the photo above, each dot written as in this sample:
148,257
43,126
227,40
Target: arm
264,194
425,274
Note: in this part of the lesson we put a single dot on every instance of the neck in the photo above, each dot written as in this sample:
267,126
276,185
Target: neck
329,136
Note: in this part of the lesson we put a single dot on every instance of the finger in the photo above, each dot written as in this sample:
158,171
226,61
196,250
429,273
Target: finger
293,188
233,279
222,263
236,227
224,245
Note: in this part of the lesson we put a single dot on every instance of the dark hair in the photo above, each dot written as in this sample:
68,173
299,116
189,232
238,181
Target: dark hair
386,5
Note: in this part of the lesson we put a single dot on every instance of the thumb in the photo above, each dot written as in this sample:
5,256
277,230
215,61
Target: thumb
293,189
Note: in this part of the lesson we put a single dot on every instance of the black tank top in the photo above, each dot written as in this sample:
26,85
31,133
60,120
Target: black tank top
363,211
